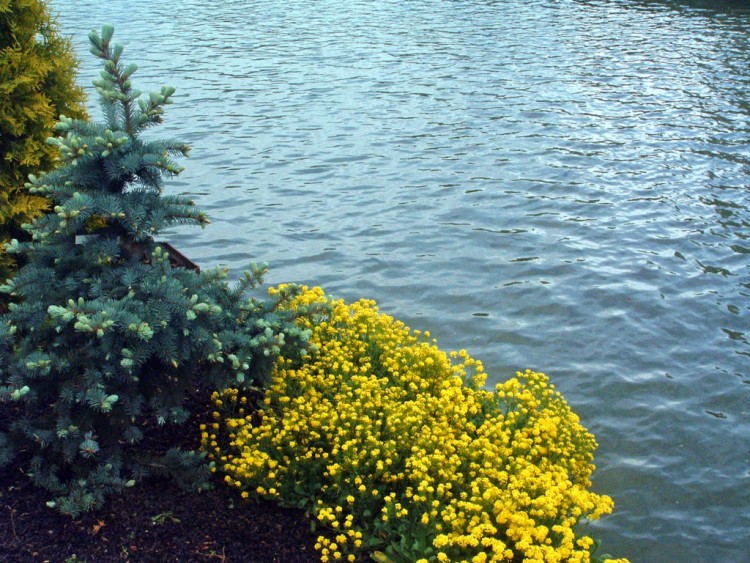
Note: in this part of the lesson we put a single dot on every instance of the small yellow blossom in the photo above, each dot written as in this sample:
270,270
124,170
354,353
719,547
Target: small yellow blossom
378,419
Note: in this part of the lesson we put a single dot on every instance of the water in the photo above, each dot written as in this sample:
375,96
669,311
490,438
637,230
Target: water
561,185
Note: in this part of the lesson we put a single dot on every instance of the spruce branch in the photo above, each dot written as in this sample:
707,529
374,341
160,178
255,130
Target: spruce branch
108,336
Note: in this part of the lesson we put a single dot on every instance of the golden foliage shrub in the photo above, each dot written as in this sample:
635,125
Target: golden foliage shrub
398,451
37,84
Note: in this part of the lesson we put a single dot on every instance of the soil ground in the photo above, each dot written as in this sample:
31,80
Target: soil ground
153,521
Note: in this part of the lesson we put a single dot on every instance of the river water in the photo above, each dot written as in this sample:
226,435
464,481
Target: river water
560,185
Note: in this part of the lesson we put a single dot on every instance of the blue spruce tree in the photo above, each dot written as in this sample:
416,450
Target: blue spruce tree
106,336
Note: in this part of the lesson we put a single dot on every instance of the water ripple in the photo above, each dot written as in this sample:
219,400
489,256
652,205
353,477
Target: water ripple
557,185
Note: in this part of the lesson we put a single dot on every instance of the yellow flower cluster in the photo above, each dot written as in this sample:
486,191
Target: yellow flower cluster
396,447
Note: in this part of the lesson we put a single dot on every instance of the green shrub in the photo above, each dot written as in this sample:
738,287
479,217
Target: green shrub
37,84
107,337
399,452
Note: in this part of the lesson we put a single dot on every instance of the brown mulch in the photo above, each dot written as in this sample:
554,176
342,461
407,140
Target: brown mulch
153,521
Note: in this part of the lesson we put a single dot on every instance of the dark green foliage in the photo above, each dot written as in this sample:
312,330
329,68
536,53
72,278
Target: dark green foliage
37,84
107,337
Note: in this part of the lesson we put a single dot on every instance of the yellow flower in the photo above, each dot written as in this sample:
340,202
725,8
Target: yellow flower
377,417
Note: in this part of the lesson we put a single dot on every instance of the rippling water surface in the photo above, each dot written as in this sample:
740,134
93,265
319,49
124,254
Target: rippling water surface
561,185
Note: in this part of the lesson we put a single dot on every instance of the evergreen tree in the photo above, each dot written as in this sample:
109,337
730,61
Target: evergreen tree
107,337
37,84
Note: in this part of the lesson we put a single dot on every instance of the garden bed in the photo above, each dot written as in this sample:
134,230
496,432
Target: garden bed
153,521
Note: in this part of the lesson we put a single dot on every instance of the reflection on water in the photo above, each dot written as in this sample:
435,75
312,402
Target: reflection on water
699,8
555,185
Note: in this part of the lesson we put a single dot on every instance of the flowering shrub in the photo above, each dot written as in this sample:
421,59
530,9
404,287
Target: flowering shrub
399,451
